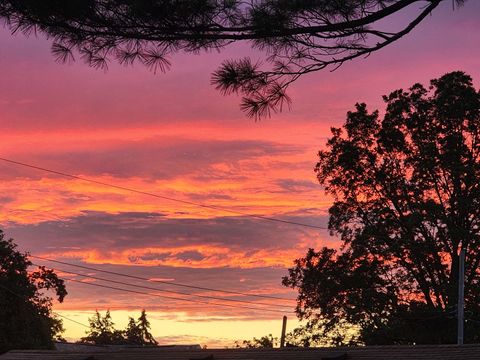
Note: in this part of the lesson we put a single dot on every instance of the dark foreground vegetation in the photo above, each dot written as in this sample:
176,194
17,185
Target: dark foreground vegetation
26,318
103,332
298,37
407,201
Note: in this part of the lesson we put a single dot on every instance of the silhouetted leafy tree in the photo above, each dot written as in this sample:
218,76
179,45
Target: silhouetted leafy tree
133,334
407,200
103,332
138,332
267,341
26,319
298,36
312,334
309,335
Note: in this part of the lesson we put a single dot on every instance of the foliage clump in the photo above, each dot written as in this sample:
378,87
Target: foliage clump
407,201
103,332
26,317
298,36
267,341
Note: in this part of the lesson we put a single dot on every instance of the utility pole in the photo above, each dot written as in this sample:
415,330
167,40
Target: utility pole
461,291
284,329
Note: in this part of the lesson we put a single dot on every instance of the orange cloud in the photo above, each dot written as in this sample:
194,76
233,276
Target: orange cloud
198,256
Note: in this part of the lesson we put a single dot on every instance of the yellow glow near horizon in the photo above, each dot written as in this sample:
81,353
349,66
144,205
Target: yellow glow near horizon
177,328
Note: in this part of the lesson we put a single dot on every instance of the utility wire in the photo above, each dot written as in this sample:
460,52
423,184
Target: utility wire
206,206
168,291
160,281
53,312
173,298
74,321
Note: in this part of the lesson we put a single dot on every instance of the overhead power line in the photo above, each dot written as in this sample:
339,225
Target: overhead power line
149,294
74,321
168,291
53,312
161,281
175,298
205,206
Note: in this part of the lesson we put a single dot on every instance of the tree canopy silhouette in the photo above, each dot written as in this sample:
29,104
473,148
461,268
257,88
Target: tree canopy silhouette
407,201
267,341
298,36
26,319
103,332
138,332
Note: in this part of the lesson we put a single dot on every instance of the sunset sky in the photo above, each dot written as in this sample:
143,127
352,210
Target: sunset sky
174,135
